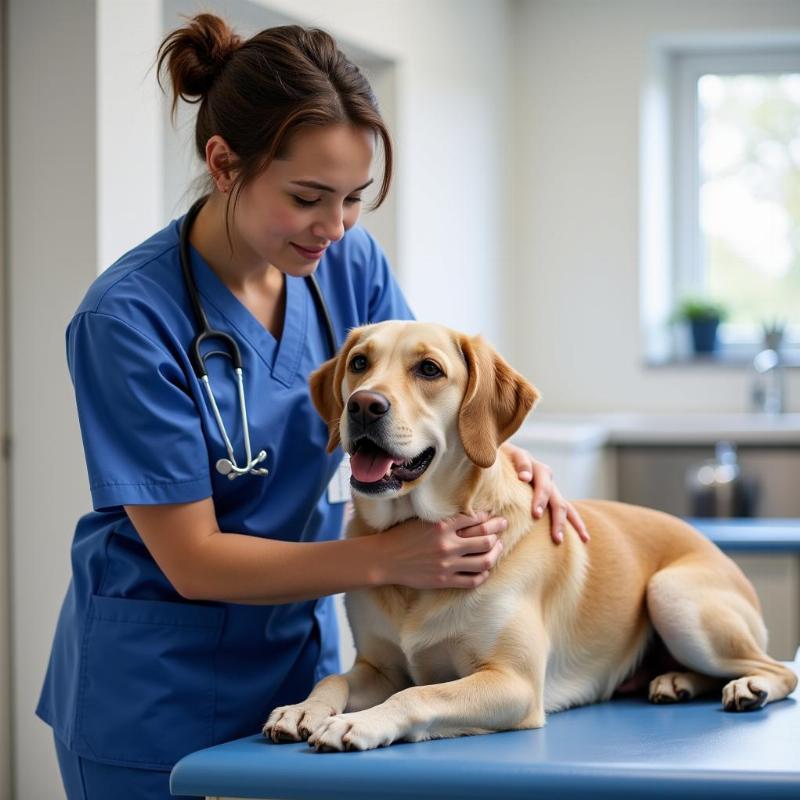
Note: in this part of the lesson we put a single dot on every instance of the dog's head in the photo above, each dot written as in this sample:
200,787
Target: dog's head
401,396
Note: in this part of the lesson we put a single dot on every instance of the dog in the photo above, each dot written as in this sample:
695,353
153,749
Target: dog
422,410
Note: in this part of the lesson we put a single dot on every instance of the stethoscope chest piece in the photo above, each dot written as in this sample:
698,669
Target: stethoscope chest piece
227,467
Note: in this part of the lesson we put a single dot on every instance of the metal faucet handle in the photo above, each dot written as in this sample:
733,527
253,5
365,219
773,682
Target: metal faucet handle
768,391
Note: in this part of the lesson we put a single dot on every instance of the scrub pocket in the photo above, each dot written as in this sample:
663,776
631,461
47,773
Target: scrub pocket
147,680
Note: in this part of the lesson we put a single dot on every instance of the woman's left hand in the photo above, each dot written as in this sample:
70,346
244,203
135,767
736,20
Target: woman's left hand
540,476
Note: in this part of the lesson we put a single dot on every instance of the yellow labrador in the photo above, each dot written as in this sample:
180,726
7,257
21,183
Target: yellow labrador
422,410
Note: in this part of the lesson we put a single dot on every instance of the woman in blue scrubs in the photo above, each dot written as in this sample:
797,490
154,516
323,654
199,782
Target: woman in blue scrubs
198,603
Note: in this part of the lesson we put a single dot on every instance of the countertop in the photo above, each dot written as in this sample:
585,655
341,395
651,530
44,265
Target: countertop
593,430
754,535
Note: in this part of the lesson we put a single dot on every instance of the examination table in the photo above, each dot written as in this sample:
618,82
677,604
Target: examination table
623,748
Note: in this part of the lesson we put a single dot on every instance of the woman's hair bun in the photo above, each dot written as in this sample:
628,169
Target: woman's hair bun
196,54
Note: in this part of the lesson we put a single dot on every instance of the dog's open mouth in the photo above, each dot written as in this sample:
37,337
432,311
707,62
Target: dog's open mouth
375,470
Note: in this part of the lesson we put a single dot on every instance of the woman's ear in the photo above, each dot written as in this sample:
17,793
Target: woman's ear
326,389
221,162
495,403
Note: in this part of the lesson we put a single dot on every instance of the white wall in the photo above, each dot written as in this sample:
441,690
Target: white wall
575,329
130,161
52,243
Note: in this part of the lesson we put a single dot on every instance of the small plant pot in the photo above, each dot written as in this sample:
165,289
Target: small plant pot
704,334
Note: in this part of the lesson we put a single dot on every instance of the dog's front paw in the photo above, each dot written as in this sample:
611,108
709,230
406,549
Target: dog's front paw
296,723
359,730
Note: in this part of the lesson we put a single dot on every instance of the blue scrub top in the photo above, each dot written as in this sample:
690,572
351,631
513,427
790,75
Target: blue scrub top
138,675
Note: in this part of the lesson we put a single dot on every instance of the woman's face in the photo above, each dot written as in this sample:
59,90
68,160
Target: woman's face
301,204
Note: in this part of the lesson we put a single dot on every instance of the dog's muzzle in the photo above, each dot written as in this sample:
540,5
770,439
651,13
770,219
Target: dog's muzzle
374,467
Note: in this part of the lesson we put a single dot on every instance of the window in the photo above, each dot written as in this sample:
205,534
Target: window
736,198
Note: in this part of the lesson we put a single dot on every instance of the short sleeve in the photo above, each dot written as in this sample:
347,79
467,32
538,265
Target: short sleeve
386,300
141,430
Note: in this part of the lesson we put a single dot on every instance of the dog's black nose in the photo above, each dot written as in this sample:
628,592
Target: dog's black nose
365,407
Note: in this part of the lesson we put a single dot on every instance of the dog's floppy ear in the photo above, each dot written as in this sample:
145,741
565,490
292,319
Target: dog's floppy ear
326,386
495,403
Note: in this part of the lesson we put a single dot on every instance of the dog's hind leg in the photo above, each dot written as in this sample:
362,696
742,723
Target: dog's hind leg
710,621
676,687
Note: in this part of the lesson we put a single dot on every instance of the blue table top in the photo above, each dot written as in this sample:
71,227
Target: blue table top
620,748
755,535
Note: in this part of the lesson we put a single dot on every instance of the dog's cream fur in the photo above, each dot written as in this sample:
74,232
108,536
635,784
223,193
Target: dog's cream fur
552,626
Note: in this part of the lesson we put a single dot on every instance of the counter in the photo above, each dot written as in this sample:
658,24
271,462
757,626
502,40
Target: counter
601,429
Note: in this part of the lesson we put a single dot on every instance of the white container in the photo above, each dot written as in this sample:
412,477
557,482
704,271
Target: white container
582,465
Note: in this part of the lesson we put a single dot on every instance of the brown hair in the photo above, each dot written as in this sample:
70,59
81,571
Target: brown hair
256,93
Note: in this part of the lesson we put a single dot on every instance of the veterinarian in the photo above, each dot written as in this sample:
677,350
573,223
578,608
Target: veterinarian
202,581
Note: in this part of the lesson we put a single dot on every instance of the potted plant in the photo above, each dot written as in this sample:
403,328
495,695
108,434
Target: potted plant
703,316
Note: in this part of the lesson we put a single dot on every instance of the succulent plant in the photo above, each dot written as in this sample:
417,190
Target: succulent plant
774,331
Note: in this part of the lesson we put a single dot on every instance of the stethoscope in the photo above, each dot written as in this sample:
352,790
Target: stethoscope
228,466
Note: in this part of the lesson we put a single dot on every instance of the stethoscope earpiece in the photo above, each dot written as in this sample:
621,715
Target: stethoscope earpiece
228,466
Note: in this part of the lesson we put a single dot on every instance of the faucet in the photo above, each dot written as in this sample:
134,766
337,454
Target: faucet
768,391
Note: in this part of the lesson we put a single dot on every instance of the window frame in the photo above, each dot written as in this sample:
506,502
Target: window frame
689,272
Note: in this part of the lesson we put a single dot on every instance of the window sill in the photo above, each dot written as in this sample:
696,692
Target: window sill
725,359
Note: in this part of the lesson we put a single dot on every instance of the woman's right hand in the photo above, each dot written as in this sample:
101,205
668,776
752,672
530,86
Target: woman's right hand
456,553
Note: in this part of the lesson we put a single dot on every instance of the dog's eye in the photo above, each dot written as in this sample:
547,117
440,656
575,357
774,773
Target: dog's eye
429,369
358,363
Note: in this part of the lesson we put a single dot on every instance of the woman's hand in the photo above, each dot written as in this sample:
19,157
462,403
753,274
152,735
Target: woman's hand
456,553
540,476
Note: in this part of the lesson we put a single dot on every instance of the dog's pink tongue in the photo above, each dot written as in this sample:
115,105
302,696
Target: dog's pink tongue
370,467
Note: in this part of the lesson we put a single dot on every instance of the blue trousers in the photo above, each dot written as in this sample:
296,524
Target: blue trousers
90,780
